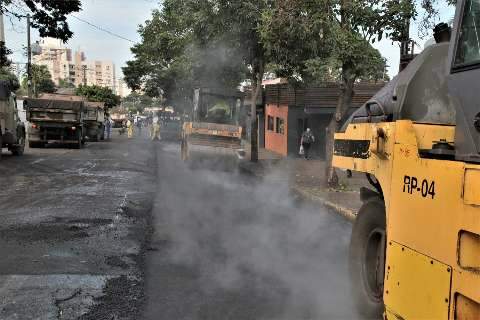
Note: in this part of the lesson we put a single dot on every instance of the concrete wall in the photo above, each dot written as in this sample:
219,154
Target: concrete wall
276,142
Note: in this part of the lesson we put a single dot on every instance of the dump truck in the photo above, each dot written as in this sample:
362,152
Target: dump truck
94,119
415,244
56,118
12,130
213,129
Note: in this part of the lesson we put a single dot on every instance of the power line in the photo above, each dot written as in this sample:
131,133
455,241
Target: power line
102,29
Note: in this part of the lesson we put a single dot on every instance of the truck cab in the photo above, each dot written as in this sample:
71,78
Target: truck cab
12,130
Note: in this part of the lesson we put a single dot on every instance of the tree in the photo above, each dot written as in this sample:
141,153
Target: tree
96,93
137,102
49,17
174,55
207,42
4,53
6,75
41,80
64,83
308,37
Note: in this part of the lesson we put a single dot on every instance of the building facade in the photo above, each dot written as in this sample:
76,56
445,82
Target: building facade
290,111
64,66
122,88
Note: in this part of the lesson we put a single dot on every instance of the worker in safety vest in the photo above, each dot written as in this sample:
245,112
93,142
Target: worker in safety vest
156,129
129,129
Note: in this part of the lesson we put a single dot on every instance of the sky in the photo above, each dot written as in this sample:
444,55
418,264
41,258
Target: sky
119,16
123,18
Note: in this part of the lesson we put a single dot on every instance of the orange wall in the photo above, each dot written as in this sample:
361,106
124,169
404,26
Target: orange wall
275,141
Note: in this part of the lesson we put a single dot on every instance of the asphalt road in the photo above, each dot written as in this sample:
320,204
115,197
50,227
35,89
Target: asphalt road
125,230
72,230
230,246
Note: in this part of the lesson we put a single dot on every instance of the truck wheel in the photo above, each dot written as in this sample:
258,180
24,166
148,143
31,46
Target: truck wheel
367,258
96,138
79,143
20,147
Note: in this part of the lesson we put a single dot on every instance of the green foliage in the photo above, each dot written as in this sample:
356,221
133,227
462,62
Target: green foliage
63,83
138,102
96,93
192,43
162,65
6,75
321,40
41,80
49,17
4,53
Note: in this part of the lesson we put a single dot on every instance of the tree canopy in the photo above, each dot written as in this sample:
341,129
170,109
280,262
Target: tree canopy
179,50
187,43
6,75
96,93
41,80
138,102
49,17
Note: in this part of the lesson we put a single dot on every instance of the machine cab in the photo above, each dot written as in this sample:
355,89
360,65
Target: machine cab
464,79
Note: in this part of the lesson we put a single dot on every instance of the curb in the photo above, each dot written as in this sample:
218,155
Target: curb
349,214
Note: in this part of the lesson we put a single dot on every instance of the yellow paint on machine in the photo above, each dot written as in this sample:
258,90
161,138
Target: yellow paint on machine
433,211
415,279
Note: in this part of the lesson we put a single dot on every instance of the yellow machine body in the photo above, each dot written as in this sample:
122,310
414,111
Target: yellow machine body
211,138
432,268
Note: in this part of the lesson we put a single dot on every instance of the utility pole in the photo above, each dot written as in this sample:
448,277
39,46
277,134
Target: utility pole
29,61
2,32
406,46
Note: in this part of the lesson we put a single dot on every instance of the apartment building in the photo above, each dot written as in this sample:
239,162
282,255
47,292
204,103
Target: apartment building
122,88
74,68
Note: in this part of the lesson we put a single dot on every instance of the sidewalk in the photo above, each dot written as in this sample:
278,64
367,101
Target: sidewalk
306,179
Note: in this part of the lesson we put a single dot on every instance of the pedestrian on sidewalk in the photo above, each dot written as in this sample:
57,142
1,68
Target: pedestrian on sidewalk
139,127
108,127
306,142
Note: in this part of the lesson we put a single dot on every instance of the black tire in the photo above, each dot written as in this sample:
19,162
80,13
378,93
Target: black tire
367,258
96,138
80,142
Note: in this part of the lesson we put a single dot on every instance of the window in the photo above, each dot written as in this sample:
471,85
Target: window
270,123
468,47
280,126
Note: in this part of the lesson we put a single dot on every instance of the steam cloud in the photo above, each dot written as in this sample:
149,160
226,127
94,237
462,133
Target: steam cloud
243,233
